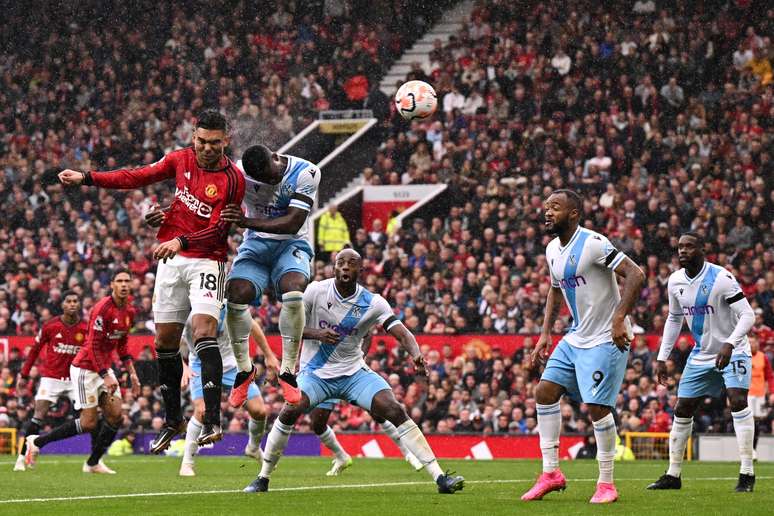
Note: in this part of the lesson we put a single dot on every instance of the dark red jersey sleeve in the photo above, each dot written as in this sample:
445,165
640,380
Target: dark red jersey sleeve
217,231
123,344
40,341
768,376
126,179
98,345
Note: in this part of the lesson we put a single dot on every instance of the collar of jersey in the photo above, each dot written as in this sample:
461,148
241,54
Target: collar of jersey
701,273
342,298
287,167
569,244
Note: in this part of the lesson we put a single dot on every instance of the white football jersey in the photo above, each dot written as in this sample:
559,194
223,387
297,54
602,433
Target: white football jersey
352,317
584,270
224,343
298,189
705,302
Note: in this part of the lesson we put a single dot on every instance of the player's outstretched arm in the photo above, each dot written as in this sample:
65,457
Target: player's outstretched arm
408,342
123,179
260,338
553,303
288,224
633,278
745,321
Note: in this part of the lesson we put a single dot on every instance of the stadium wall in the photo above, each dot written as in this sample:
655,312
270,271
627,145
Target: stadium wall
485,343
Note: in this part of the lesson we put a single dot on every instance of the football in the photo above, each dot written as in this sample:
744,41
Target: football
416,100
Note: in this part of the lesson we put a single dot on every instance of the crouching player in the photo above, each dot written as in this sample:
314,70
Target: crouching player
93,380
254,404
339,371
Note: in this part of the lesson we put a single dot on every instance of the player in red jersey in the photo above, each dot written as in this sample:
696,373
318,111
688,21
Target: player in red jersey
59,340
93,379
191,273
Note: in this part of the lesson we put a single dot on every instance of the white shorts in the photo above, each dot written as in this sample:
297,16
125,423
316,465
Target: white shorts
757,405
188,285
88,386
51,389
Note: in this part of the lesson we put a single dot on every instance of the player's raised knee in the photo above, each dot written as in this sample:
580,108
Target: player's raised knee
240,291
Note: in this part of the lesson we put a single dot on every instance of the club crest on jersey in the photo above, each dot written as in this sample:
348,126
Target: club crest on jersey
356,311
211,190
704,289
572,259
79,337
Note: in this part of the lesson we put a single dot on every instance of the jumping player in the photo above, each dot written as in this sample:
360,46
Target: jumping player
254,404
192,259
281,192
590,361
93,379
339,371
719,317
59,339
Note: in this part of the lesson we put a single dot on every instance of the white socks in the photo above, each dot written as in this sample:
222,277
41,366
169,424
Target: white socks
412,438
392,433
328,438
291,325
191,435
605,434
549,423
275,445
744,427
255,428
239,323
678,438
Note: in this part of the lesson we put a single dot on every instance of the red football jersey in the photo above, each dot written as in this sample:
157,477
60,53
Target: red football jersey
109,327
200,195
60,342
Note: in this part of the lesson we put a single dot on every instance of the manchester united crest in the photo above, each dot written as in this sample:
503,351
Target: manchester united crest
211,190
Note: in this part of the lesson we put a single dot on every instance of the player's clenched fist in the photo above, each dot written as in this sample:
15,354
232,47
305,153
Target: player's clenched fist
71,177
168,249
232,213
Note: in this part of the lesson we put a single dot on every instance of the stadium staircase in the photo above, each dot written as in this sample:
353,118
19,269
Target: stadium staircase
450,23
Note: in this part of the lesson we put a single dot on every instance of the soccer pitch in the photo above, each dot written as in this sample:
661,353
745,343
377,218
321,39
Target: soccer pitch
149,485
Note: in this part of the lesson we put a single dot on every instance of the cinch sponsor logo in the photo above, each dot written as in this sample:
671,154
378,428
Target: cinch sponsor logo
66,349
572,282
698,310
337,328
195,205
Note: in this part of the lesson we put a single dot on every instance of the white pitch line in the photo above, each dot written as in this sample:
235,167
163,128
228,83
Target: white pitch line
320,488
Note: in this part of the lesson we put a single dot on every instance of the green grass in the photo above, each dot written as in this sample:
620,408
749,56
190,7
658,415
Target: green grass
301,487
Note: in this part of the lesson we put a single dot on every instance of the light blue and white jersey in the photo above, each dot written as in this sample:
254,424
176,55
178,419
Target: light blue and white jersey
711,303
298,189
224,343
352,317
585,271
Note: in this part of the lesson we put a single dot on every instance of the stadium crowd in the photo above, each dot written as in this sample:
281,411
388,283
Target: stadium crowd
661,117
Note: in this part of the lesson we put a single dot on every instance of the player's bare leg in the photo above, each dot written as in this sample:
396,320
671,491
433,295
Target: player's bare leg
256,427
291,324
170,364
205,330
341,461
385,406
276,443
31,427
744,428
240,293
682,426
547,396
106,433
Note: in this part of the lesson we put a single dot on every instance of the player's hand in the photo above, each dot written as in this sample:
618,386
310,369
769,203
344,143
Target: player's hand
328,336
621,337
419,366
167,249
187,375
724,356
156,216
233,213
111,384
542,349
661,373
71,177
272,365
135,385
20,382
